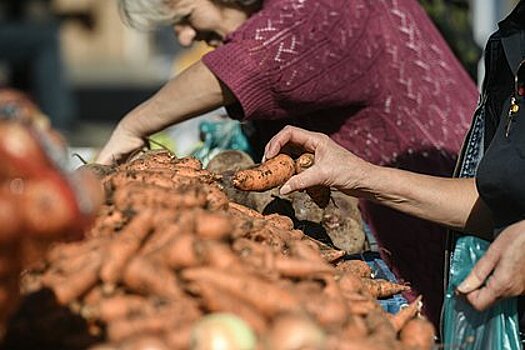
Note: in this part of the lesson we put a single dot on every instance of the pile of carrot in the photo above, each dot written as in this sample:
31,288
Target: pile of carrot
168,248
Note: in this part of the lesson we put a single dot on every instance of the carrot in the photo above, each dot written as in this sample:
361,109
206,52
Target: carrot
68,288
146,278
319,194
273,173
122,249
264,296
350,283
216,198
357,268
280,221
418,333
189,162
213,226
332,255
239,208
380,288
299,268
138,196
183,251
218,300
404,315
122,306
125,328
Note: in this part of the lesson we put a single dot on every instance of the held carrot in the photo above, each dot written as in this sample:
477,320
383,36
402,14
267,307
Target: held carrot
272,173
319,194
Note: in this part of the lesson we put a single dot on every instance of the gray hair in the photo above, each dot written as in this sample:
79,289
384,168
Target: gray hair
147,14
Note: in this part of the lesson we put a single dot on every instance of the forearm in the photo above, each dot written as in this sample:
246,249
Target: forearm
454,203
193,92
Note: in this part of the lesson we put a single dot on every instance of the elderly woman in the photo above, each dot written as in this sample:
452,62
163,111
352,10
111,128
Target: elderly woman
375,76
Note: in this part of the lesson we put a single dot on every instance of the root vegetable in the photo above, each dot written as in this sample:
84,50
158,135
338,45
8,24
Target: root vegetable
379,288
268,298
214,226
225,329
125,246
406,314
217,300
273,173
147,278
319,194
295,331
356,268
418,333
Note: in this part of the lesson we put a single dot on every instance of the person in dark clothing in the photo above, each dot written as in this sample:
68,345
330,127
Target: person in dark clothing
487,197
29,44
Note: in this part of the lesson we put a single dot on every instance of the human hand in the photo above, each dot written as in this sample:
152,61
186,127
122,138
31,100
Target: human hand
121,143
334,166
499,273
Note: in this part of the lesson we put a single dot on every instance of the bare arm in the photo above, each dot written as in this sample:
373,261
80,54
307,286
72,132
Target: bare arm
454,203
191,93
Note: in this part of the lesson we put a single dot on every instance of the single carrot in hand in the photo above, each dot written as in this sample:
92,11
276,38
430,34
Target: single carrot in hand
272,173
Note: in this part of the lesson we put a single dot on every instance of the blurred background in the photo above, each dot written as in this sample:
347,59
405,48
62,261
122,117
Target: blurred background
86,69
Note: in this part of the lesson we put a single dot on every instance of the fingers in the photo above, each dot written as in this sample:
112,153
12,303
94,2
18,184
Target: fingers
306,139
308,178
482,298
481,270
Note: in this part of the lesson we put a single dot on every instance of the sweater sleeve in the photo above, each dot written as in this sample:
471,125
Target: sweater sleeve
298,56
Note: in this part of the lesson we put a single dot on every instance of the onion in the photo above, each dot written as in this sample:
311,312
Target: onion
222,331
295,332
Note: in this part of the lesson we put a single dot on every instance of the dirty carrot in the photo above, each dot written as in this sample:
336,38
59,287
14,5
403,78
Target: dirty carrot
272,173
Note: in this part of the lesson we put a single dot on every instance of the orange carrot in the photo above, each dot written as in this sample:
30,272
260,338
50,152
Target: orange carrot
146,278
380,288
404,315
273,173
268,298
357,268
418,333
127,244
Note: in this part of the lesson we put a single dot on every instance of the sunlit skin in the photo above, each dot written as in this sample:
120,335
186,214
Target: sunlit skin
206,20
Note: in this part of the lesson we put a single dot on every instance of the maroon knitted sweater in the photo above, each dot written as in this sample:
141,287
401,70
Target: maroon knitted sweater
377,77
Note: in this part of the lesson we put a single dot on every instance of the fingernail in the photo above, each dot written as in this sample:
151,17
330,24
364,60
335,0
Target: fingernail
464,287
285,189
263,159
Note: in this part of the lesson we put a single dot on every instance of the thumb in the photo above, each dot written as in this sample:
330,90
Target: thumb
308,178
481,271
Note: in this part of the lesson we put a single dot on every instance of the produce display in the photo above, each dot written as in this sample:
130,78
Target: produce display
171,263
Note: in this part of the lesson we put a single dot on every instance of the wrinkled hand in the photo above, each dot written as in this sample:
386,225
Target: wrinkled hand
121,143
334,165
500,272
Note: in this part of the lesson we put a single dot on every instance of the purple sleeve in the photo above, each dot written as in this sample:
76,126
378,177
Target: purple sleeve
298,56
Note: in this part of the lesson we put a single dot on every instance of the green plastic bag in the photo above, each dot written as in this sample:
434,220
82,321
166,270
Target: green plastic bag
465,328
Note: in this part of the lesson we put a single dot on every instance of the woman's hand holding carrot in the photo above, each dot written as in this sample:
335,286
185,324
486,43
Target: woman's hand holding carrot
334,166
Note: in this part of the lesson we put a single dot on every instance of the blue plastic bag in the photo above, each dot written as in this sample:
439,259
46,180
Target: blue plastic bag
466,328
217,136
